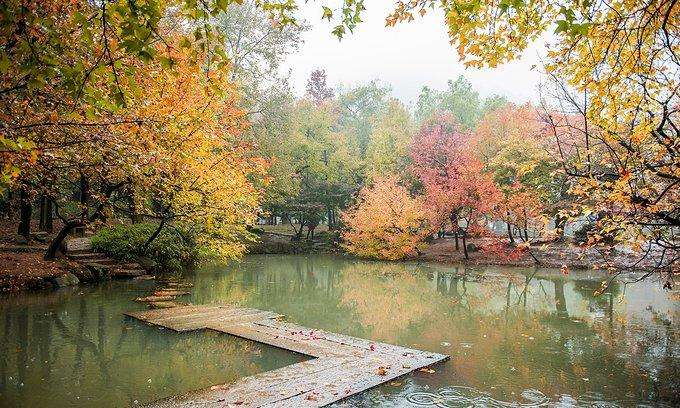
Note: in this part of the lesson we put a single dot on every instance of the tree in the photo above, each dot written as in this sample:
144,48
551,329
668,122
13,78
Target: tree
324,172
387,222
512,143
124,103
257,49
458,193
474,199
193,166
181,158
317,88
63,64
359,108
387,150
437,153
459,99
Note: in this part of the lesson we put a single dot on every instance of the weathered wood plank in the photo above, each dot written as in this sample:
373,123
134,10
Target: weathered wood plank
157,315
264,334
343,339
203,321
194,317
343,365
365,373
257,386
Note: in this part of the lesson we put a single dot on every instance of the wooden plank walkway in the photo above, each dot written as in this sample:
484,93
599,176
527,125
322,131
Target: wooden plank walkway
342,365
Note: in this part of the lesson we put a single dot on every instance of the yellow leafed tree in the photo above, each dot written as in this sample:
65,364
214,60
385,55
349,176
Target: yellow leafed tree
188,155
387,223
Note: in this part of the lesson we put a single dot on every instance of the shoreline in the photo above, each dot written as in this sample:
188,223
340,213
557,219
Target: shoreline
22,268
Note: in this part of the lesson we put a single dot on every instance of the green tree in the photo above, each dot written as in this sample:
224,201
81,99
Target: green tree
388,148
325,172
460,99
359,107
257,49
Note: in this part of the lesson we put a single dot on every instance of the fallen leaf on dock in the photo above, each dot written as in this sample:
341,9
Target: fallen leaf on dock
427,370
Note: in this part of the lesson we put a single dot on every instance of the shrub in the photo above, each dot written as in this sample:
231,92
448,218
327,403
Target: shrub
387,222
173,249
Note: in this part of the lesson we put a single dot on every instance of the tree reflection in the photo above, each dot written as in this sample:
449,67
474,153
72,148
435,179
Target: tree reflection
508,329
83,352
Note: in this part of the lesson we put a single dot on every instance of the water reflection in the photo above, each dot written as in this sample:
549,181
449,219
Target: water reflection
515,336
74,348
507,330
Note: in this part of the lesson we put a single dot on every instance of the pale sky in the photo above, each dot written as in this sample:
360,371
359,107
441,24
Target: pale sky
407,57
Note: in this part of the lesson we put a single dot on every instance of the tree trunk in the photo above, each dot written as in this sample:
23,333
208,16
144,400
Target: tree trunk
560,223
57,242
41,221
512,239
310,231
455,234
132,209
84,193
70,225
5,205
465,251
46,216
298,234
25,214
153,236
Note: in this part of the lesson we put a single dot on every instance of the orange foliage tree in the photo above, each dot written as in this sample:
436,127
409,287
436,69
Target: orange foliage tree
513,144
457,189
188,155
387,223
475,198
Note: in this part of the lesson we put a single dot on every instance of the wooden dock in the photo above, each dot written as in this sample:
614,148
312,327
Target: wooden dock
342,365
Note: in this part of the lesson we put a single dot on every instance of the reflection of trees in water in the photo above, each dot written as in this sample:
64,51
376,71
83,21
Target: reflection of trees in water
599,304
84,347
516,342
521,329
4,349
305,289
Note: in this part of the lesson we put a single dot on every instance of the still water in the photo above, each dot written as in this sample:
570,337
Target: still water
516,337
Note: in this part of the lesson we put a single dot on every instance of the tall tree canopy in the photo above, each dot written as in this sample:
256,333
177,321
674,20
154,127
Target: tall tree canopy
387,150
459,99
359,108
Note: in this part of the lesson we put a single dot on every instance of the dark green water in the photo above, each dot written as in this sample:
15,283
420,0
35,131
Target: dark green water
516,336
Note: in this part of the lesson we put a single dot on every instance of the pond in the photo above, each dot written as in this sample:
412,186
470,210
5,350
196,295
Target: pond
516,336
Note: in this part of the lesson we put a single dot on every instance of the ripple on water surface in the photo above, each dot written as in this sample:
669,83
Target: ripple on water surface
516,337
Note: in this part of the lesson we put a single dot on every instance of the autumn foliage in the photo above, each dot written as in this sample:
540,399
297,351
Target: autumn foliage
387,223
138,121
127,109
